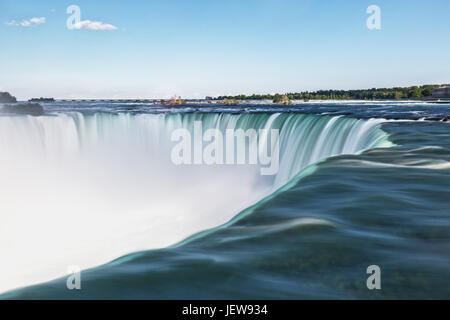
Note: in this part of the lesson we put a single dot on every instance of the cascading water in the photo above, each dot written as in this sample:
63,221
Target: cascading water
85,189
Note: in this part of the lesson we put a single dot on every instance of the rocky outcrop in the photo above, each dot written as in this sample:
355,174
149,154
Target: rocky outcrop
5,97
174,101
444,119
32,109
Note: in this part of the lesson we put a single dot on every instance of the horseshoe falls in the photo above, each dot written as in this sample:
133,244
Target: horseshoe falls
99,190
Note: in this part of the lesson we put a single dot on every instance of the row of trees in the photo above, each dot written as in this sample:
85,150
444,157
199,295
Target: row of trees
365,94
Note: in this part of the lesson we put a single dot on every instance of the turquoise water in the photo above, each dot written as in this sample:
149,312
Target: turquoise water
381,198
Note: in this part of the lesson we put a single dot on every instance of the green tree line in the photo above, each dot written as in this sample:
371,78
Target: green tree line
413,92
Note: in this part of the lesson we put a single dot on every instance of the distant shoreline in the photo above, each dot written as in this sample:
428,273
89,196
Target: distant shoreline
413,93
216,100
395,93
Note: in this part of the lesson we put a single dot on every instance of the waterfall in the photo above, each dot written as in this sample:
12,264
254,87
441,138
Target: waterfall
83,190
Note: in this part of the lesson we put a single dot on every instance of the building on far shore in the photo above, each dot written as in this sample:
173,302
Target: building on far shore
443,92
5,97
41,100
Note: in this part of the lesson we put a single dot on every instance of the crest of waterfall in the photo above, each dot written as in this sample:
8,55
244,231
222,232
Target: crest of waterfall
82,190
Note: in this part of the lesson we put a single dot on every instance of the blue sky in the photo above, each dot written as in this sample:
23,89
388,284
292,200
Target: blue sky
195,48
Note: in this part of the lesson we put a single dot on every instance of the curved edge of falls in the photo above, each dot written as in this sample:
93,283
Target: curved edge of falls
101,184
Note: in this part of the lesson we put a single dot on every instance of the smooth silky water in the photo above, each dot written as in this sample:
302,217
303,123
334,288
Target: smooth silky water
93,186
